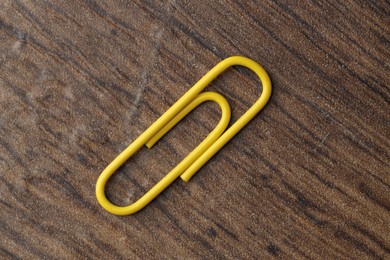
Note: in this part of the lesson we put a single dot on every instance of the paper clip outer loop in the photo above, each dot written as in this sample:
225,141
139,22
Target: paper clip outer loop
204,151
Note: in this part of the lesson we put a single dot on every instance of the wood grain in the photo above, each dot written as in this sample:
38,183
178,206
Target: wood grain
307,178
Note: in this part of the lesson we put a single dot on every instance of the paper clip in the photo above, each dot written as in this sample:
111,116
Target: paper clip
204,151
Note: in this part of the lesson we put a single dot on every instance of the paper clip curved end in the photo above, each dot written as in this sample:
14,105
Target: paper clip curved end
108,206
113,209
257,68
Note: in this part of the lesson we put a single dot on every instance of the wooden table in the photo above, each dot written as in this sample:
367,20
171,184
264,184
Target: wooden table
307,178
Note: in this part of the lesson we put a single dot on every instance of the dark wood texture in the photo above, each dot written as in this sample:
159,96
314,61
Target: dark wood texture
307,178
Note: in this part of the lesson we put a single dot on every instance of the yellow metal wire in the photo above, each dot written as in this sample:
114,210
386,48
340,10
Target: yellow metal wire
204,151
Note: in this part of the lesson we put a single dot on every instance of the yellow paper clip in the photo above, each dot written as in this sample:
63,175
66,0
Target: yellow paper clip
204,151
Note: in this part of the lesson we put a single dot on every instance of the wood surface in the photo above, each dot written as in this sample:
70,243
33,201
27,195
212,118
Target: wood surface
307,178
